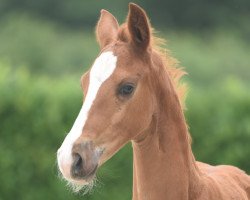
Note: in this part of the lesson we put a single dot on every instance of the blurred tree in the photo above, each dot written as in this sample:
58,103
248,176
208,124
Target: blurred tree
198,14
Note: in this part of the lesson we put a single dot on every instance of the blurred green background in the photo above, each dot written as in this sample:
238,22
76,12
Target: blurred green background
46,45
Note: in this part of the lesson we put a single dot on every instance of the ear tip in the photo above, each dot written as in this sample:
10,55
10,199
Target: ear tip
133,6
103,11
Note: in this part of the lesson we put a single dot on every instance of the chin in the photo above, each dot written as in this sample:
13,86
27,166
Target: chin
82,186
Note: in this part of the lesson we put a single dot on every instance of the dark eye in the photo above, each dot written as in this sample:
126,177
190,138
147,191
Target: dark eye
126,89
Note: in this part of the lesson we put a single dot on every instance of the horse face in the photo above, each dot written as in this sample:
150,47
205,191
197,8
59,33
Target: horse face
118,103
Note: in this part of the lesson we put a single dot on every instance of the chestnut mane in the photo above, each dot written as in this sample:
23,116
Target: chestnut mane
172,66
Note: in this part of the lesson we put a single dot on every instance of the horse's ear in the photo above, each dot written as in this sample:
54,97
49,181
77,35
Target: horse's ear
139,26
106,29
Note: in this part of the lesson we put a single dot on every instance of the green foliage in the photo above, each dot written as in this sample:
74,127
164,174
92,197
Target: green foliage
219,119
45,47
211,56
31,117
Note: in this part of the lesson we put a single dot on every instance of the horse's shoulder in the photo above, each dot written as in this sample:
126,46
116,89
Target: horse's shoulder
225,179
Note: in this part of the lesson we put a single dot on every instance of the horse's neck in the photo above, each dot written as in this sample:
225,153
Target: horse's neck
164,166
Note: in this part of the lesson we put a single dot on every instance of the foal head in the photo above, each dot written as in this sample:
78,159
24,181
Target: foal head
119,96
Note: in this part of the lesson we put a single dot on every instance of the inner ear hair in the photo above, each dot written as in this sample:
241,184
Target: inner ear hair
138,26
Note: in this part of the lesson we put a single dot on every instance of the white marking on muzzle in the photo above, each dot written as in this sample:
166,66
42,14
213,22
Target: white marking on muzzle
101,70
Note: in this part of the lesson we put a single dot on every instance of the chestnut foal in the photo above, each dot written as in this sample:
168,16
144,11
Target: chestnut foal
132,95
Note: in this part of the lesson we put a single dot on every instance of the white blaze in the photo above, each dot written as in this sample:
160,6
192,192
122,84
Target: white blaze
101,70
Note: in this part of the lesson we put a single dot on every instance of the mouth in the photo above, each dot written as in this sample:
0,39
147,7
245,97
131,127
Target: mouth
77,183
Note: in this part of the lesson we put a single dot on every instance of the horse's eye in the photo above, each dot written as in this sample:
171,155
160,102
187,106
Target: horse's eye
126,89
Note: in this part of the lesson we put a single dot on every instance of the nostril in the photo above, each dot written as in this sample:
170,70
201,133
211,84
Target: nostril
77,170
78,161
84,162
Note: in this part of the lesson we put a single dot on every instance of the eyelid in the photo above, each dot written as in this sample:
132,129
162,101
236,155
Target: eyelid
127,83
130,81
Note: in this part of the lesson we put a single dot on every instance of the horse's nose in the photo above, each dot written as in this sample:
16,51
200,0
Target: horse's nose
85,160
